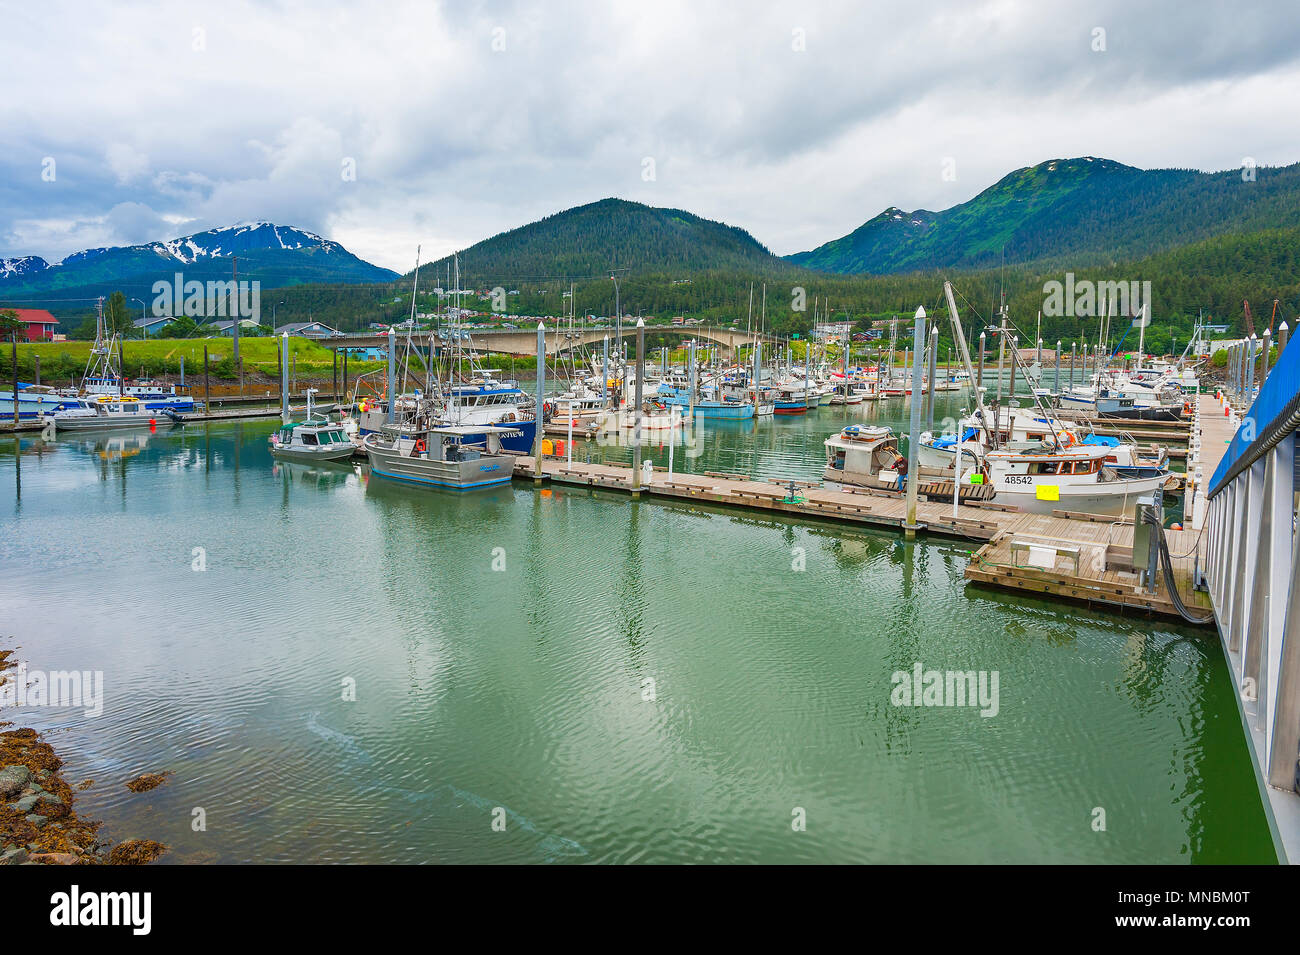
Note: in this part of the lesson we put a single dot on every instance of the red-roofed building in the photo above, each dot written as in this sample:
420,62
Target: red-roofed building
38,323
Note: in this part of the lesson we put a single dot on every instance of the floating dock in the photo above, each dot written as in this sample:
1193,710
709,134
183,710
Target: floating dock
1079,557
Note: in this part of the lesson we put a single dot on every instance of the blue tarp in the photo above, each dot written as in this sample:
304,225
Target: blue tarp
948,440
1102,440
1276,399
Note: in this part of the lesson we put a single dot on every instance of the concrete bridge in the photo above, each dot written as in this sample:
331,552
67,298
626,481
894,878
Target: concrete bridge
523,341
1252,564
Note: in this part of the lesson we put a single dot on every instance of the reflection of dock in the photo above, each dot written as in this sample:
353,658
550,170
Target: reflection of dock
1064,555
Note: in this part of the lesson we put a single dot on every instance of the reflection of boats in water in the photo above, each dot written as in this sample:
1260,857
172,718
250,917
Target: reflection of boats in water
322,474
119,446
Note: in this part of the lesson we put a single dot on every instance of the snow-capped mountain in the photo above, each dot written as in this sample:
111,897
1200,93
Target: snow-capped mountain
23,265
220,244
272,254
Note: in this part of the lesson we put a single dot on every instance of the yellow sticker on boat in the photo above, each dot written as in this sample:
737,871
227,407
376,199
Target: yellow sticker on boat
1049,492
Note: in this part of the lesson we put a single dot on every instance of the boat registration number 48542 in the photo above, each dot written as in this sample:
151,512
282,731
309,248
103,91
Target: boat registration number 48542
1019,479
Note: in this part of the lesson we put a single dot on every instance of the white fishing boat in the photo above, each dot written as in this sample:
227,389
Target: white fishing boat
1074,478
314,439
110,413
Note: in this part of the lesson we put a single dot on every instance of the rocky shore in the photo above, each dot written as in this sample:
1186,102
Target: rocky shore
38,821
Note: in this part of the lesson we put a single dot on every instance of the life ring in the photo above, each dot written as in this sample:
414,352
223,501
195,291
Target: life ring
420,446
1067,439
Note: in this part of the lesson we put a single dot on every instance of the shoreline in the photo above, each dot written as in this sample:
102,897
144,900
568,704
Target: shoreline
38,820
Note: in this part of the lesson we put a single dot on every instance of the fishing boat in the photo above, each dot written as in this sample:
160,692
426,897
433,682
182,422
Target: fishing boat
314,439
155,395
105,413
859,453
791,398
1071,478
461,457
709,408
35,401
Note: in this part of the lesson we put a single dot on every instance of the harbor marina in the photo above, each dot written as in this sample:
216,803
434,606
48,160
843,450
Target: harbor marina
524,687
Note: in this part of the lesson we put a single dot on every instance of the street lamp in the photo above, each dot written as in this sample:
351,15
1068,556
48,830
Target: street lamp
618,311
273,308
144,329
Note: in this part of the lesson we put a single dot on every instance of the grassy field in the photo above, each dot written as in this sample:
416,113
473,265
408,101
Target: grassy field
64,361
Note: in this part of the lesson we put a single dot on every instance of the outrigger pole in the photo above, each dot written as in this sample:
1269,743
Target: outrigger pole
959,337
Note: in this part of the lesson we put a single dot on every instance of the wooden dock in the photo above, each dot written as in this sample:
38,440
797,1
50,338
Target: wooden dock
861,506
1091,557
1092,564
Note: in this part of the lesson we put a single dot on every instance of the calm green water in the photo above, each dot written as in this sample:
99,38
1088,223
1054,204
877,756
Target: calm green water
522,688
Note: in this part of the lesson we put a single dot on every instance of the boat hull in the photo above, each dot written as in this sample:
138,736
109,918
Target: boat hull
716,409
111,423
483,471
1084,498
33,406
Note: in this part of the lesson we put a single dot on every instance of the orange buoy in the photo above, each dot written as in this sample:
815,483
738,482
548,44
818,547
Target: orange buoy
1226,411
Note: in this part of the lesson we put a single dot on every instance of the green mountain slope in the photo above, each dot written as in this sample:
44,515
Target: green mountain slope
587,241
1074,212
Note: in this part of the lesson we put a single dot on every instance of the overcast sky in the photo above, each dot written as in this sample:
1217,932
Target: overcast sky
794,121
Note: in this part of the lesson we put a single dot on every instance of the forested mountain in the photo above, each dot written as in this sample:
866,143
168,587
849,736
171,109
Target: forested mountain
1080,216
1072,212
588,241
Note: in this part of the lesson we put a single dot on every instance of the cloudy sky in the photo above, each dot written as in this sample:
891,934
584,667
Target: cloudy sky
384,125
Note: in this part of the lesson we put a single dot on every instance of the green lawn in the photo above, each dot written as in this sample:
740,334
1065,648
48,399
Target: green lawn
162,356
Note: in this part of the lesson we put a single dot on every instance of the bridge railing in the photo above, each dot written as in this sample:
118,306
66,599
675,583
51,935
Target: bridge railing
1253,557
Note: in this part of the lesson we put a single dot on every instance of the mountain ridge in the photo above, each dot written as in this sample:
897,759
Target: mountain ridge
1081,211
274,255
592,239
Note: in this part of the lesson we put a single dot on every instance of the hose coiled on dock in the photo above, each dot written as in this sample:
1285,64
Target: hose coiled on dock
1167,566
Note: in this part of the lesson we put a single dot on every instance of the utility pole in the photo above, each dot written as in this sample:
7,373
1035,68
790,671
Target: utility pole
13,338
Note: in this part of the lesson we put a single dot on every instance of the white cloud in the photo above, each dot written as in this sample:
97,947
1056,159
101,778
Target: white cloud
126,163
454,141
